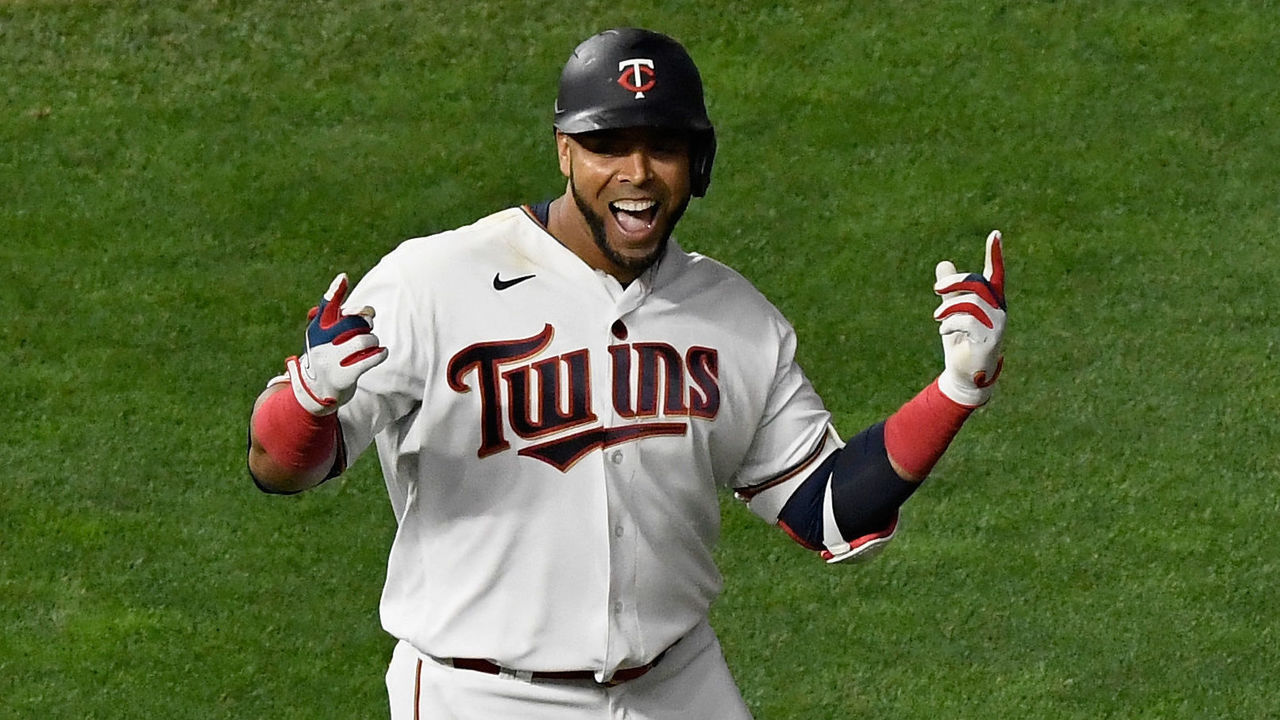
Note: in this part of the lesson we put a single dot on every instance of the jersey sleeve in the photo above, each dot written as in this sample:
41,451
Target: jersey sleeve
793,437
392,390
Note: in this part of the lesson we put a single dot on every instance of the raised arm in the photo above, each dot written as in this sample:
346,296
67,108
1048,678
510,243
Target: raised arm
293,436
847,508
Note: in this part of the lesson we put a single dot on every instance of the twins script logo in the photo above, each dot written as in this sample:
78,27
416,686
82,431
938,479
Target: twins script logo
547,400
637,75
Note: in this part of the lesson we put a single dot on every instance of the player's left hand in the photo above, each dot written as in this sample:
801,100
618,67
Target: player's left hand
972,320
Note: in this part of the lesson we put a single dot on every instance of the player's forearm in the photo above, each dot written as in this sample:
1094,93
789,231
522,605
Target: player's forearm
289,450
917,435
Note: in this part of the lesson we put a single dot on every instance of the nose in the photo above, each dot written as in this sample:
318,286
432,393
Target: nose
636,167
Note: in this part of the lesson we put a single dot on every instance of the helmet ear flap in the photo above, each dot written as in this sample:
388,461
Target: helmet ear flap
701,156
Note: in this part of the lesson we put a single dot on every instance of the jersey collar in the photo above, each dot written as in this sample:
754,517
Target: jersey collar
546,251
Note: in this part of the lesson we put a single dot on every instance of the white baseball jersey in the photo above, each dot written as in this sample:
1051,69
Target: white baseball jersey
552,442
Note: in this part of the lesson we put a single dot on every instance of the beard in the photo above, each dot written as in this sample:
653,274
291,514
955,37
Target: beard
596,222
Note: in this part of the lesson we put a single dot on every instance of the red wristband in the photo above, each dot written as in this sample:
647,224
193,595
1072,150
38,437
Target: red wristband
918,434
292,436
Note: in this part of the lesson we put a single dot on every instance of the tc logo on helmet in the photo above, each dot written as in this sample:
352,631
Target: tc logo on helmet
637,75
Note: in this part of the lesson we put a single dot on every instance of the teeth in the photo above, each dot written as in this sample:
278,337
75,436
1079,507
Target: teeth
634,205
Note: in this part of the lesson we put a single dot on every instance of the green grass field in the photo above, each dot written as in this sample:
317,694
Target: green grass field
179,181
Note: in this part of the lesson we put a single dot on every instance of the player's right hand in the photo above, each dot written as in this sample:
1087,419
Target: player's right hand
340,347
972,320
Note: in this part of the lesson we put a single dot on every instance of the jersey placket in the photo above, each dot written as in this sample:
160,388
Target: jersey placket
620,465
624,623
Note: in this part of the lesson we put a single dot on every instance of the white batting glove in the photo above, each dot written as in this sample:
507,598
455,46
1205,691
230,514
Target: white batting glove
340,347
972,317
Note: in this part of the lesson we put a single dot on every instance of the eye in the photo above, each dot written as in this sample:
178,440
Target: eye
670,146
668,143
607,146
614,149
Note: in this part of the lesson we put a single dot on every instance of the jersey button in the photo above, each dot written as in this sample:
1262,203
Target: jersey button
617,532
616,457
619,330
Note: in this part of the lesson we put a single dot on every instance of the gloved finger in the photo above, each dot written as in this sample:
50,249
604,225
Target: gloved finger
971,283
339,331
337,288
356,342
962,327
351,326
966,304
972,309
965,308
368,357
993,268
944,268
331,308
357,345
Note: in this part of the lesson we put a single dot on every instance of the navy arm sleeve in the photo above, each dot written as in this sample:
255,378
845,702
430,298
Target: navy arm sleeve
864,490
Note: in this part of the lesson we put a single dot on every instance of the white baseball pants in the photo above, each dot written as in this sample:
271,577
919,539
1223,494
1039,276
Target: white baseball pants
692,682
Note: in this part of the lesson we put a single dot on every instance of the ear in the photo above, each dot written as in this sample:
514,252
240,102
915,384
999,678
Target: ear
562,151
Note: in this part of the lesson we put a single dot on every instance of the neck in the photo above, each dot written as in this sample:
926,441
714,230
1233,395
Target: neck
567,225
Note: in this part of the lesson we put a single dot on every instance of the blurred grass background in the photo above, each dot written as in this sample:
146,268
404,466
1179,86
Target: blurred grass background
177,182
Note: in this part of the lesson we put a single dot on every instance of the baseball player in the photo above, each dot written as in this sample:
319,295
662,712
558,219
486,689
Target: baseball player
557,393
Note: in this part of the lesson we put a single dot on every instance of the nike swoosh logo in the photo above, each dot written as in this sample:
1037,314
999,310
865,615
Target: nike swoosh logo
500,284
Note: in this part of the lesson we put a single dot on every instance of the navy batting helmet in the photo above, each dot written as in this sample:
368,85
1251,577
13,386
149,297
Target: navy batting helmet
629,77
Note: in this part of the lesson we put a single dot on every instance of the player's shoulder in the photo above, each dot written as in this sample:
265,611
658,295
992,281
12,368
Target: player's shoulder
422,264
717,291
460,241
711,268
442,254
705,275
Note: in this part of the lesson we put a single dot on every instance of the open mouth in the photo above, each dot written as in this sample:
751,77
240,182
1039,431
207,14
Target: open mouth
634,216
